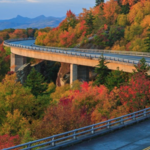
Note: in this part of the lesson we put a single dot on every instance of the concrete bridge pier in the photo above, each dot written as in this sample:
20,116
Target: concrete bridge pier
16,62
79,72
73,73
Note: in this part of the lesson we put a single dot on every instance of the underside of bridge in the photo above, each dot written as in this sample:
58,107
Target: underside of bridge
79,66
77,72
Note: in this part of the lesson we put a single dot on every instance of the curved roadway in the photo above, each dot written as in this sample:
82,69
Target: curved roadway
118,57
135,137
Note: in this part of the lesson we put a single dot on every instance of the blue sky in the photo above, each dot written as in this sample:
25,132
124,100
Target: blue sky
33,8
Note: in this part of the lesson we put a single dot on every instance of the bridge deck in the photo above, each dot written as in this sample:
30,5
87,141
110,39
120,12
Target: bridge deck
135,137
31,42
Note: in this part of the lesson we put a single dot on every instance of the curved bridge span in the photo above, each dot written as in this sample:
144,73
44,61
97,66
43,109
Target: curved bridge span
79,59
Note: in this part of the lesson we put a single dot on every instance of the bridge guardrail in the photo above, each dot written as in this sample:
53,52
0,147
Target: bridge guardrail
147,54
81,52
63,139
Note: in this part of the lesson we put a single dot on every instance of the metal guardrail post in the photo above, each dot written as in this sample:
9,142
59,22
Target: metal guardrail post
134,118
74,135
92,130
145,113
53,143
28,146
122,121
108,125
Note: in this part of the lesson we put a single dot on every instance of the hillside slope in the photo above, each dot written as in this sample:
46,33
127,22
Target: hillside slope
116,25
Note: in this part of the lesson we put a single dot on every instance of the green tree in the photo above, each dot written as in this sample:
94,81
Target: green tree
99,2
4,61
115,33
142,67
101,38
36,82
147,40
89,23
102,71
125,9
115,79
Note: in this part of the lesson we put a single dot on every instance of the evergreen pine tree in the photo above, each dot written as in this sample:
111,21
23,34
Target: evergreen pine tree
116,78
99,1
102,71
35,81
89,23
142,67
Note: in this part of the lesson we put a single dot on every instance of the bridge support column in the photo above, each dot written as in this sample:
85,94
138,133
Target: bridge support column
79,72
16,62
73,73
83,73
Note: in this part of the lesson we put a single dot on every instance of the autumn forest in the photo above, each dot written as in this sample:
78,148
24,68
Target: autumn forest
40,105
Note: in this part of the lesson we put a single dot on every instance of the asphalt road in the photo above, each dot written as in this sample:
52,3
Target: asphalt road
132,58
135,137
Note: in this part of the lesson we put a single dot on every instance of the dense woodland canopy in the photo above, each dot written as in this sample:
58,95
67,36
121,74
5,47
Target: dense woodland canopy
43,107
116,25
24,112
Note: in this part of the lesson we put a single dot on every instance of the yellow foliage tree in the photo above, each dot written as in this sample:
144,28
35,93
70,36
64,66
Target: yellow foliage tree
14,96
146,22
15,124
139,11
122,20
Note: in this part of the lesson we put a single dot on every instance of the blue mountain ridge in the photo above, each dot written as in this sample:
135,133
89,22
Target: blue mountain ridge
20,22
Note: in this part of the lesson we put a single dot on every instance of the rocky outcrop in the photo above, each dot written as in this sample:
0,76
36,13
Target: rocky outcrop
23,72
63,76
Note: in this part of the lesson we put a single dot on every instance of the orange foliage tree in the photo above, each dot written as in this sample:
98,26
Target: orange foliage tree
111,10
130,2
18,33
139,11
67,37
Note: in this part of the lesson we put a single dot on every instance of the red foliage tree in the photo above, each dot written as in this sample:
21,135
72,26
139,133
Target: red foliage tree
9,141
135,95
67,38
61,118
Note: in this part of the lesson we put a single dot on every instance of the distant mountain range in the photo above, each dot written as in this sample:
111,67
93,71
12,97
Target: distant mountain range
23,22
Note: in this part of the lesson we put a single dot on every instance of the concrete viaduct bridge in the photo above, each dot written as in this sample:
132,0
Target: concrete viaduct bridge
80,59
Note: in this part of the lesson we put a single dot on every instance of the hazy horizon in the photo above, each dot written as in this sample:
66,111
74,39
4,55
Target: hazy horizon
34,8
